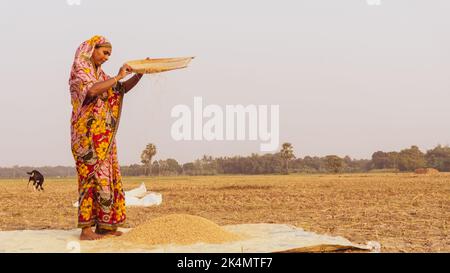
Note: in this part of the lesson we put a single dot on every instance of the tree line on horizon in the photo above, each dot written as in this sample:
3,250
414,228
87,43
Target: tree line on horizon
282,162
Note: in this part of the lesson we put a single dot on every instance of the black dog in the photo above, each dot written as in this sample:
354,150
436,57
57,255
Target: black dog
37,178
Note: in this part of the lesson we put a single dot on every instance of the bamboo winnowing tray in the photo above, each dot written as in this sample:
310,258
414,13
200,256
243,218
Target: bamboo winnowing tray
149,66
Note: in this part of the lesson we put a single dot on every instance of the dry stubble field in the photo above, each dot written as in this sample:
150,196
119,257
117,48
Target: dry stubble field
404,212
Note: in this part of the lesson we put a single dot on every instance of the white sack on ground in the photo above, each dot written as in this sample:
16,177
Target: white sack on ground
139,197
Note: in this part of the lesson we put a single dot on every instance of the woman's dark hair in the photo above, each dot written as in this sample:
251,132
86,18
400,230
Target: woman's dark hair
102,45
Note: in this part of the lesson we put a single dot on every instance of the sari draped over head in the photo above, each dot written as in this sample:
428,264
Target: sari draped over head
94,124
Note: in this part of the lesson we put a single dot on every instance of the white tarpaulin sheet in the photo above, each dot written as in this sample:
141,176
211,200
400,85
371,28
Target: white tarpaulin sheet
260,238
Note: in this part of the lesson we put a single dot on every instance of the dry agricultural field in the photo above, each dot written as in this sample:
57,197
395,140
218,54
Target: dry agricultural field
404,212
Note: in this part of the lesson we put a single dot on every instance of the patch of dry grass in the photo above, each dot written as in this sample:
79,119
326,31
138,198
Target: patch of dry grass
404,212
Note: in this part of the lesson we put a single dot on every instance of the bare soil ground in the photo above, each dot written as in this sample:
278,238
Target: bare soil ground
404,212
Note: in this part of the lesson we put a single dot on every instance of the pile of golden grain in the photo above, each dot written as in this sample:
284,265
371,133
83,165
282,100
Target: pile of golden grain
181,229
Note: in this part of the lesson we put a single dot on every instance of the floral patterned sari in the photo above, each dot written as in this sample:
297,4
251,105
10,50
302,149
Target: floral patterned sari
94,124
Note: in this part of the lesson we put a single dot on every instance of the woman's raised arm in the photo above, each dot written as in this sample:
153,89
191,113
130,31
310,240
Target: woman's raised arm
131,82
100,87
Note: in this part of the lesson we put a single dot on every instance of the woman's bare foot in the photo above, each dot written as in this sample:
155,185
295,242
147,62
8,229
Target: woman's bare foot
88,234
106,232
115,233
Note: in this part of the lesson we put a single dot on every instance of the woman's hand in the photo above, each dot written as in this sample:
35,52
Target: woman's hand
131,82
124,71
140,74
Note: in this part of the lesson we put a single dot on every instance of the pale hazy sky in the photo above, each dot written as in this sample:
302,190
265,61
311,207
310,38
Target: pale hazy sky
350,78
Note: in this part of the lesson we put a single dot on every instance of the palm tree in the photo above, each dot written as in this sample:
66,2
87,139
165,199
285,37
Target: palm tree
146,157
287,153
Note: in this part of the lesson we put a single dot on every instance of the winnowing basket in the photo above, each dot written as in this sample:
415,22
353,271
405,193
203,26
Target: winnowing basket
150,66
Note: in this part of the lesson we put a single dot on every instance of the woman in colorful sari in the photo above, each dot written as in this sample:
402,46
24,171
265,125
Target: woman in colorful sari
97,104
